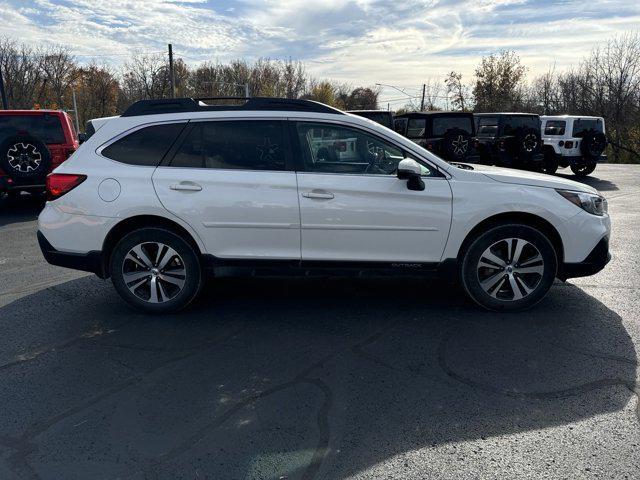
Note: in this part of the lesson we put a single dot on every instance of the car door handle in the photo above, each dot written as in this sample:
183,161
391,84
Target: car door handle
186,186
318,194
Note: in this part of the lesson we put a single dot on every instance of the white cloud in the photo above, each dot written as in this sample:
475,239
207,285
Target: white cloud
359,41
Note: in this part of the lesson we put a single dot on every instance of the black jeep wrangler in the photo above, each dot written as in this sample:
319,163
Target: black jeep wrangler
510,140
450,135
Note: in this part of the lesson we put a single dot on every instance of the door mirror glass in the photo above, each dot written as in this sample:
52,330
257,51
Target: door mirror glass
411,171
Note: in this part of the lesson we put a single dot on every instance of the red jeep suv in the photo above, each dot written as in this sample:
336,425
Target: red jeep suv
32,143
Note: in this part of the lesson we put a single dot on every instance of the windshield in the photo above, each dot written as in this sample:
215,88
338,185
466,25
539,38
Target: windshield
582,125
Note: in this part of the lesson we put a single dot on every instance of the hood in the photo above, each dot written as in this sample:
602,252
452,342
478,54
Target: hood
523,177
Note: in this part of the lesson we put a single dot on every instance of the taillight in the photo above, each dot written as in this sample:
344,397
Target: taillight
568,144
429,146
60,183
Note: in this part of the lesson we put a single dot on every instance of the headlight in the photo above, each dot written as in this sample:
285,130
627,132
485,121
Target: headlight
589,202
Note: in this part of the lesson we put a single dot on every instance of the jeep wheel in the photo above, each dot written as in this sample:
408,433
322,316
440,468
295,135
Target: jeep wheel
550,165
509,267
583,170
155,270
23,156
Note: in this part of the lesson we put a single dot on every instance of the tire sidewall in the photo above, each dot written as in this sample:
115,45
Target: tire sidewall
193,268
45,162
469,276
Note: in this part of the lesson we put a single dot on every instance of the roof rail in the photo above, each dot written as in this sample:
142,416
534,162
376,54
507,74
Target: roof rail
178,105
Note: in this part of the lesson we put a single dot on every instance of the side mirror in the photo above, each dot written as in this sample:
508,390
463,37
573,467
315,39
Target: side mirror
411,171
82,137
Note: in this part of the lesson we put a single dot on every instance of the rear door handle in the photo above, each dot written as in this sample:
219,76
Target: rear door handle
322,194
186,186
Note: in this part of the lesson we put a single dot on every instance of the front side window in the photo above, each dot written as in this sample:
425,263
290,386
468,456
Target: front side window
337,149
145,146
442,125
236,145
416,127
555,127
486,126
583,125
516,123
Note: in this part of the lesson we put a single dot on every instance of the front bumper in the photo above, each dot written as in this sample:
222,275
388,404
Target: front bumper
86,262
595,262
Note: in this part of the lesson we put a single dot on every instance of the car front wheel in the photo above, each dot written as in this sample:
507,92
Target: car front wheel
509,267
155,270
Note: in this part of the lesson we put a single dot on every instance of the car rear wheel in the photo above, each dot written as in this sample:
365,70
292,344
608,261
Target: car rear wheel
155,270
509,267
583,170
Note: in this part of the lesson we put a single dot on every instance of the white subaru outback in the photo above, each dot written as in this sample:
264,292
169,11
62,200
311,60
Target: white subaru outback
175,189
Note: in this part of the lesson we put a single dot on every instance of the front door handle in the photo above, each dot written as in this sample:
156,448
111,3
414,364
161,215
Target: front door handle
322,194
186,186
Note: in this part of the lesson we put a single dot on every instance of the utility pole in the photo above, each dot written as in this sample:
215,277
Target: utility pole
171,78
424,88
246,90
2,92
75,110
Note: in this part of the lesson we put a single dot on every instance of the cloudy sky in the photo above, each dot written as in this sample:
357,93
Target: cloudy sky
400,42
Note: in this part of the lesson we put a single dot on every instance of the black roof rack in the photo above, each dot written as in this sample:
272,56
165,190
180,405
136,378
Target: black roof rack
178,105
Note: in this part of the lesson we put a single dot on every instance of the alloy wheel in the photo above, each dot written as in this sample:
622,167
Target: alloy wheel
154,272
24,157
510,269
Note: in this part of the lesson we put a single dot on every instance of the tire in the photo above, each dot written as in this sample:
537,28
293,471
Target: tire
593,145
23,156
176,278
583,170
509,288
550,166
456,144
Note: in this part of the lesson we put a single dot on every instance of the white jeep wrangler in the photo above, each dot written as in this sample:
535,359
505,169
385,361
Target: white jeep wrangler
573,141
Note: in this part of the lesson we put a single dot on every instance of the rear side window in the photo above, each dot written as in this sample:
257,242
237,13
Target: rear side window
486,126
582,125
240,145
144,147
555,127
45,127
416,127
442,124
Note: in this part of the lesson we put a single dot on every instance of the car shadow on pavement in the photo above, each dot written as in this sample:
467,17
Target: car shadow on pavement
23,209
292,378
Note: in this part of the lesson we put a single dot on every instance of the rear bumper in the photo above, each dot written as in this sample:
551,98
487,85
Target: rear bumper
87,262
595,262
8,184
580,160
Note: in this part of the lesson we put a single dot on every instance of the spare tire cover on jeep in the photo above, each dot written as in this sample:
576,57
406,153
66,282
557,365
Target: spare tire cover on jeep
528,141
593,144
23,156
456,144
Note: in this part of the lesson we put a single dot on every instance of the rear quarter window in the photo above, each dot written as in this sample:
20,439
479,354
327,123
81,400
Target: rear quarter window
514,123
45,127
555,127
146,146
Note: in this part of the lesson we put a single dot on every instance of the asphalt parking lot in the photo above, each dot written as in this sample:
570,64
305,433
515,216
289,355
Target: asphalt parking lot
320,378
